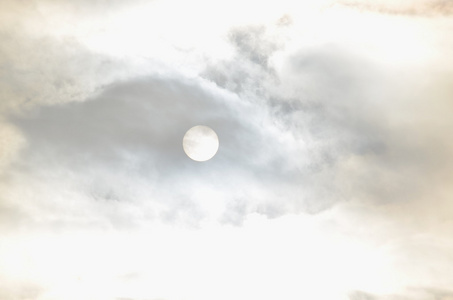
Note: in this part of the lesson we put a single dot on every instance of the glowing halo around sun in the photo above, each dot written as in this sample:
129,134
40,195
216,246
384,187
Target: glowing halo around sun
200,143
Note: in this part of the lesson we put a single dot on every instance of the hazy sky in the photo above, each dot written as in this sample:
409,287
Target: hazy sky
333,180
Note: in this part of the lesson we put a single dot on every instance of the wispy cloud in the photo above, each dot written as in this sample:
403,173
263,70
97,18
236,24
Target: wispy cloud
404,8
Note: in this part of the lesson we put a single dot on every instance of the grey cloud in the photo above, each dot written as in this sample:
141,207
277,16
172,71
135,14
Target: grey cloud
329,102
344,107
336,107
253,43
133,131
332,87
356,115
148,117
251,64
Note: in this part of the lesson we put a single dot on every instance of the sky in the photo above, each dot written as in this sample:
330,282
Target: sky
333,175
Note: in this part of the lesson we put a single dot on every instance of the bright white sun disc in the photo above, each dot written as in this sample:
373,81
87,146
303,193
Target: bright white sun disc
200,143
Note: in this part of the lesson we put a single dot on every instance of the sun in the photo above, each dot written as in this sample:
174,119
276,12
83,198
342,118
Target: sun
200,143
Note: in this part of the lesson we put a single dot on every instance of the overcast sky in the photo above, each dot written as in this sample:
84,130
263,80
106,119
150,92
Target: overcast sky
334,175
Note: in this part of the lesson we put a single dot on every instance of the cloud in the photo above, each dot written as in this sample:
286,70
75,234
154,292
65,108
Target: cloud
55,72
133,132
344,107
404,8
11,141
42,66
331,114
334,161
412,293
14,290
